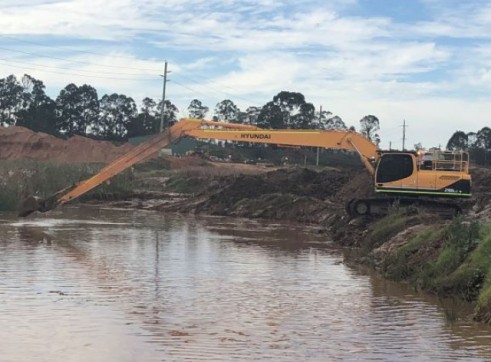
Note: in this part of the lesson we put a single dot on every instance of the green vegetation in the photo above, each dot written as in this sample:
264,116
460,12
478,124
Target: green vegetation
385,228
483,308
402,265
181,183
18,179
452,259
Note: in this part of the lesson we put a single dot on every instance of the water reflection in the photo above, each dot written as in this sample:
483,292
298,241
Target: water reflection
129,285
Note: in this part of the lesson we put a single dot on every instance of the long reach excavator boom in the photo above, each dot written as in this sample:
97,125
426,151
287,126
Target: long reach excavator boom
400,174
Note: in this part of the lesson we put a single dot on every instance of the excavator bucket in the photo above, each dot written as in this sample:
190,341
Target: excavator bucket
30,205
33,203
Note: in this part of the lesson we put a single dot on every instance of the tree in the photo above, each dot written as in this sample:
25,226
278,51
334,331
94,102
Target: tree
227,111
117,112
10,100
477,143
471,139
325,120
147,121
369,125
458,142
287,110
170,112
418,146
483,138
249,116
77,109
197,110
38,111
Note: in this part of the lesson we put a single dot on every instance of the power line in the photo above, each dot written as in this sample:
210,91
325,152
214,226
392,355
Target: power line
48,46
118,67
76,61
65,73
188,88
217,90
69,69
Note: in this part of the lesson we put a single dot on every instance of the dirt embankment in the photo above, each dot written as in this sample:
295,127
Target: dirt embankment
17,143
297,194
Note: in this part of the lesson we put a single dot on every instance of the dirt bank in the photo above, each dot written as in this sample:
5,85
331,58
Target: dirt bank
18,143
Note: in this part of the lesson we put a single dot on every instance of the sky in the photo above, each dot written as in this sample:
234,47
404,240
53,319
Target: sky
423,62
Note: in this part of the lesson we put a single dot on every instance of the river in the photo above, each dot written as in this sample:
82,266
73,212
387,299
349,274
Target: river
89,284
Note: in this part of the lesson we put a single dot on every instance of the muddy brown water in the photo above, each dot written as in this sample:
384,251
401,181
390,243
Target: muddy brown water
91,284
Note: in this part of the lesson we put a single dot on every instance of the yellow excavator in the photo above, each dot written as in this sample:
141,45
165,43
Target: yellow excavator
406,177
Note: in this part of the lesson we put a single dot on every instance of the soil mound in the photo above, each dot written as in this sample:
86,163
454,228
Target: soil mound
290,194
18,143
481,189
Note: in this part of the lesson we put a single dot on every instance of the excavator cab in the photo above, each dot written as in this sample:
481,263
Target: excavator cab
436,174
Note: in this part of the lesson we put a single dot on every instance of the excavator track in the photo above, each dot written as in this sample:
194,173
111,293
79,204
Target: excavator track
380,206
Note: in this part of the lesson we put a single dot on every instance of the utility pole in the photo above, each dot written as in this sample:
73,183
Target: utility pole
162,114
318,149
404,135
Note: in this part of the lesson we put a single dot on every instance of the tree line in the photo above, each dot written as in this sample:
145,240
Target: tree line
478,144
78,110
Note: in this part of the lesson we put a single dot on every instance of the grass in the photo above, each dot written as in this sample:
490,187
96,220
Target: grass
449,260
408,262
483,307
382,230
460,265
18,179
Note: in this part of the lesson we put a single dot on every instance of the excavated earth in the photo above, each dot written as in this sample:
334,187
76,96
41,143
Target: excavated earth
296,194
19,143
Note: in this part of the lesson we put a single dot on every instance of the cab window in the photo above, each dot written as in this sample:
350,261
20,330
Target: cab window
393,167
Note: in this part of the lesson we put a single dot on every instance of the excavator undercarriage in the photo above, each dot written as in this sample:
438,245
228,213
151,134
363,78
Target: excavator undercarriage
380,206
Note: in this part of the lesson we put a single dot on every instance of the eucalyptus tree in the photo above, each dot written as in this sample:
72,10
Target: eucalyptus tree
287,110
196,109
37,111
250,115
11,95
458,142
227,111
369,125
170,112
77,109
117,112
326,120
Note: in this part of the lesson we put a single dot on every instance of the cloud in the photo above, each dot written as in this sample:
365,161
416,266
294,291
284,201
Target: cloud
434,72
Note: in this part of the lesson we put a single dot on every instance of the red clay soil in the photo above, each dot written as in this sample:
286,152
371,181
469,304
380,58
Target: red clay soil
18,143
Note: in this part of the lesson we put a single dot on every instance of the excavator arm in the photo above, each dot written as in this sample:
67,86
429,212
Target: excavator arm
345,140
203,129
